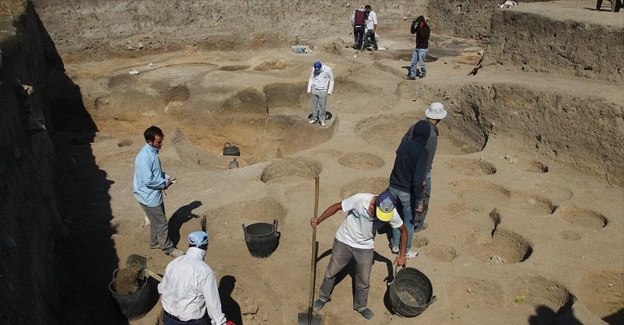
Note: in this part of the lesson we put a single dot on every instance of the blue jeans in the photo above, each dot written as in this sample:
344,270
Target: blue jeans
419,58
407,214
420,217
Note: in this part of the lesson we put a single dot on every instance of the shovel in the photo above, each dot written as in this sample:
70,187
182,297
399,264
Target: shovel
309,318
135,259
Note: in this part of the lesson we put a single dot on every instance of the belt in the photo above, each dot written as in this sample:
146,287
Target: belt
166,314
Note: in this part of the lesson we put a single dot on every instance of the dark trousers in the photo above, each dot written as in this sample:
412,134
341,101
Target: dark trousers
370,37
358,36
172,320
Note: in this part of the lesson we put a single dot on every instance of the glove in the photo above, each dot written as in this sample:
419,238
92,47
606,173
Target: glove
229,323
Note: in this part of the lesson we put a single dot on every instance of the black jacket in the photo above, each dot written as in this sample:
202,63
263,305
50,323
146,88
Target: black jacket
410,168
422,34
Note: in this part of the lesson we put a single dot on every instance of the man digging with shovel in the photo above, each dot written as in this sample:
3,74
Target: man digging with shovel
355,238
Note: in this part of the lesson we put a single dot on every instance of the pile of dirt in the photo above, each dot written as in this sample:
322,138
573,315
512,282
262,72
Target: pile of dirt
128,280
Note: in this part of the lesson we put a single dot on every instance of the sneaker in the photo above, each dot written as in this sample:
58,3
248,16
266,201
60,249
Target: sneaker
411,254
154,246
175,252
395,249
421,228
411,78
323,124
312,121
367,313
318,304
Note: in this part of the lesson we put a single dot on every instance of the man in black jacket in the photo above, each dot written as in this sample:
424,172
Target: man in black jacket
407,181
421,29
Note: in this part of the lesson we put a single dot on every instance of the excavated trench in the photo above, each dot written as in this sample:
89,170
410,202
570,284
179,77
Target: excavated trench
209,107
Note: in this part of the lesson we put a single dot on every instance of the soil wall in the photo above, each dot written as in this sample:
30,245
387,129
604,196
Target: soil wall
98,29
580,131
39,104
559,47
29,221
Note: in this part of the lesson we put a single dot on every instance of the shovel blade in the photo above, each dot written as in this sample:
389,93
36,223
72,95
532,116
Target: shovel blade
309,319
136,259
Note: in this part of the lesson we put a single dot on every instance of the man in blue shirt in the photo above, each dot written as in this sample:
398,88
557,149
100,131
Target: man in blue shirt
149,182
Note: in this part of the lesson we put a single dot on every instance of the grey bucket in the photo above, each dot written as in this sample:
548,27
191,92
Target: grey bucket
410,293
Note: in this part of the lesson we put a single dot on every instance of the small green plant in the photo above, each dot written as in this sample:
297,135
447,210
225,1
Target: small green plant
520,299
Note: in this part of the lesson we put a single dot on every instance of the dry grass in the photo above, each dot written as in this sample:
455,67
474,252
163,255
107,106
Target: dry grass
12,7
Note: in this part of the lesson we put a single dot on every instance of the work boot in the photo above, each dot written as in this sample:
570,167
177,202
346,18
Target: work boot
318,304
420,228
366,313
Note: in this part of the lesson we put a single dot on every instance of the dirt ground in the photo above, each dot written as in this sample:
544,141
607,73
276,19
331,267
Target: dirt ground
555,256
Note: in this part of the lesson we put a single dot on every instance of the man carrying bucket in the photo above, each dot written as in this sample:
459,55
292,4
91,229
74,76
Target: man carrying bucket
355,238
189,288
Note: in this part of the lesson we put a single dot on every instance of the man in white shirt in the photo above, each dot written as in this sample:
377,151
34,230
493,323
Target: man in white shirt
320,85
371,28
189,288
355,238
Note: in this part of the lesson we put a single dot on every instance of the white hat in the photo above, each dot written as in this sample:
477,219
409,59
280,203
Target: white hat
436,111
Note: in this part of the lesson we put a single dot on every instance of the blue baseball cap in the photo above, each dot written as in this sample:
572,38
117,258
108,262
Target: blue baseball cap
385,206
198,238
317,65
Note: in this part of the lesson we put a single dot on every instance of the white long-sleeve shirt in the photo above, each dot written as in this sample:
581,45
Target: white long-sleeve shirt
324,81
189,288
371,22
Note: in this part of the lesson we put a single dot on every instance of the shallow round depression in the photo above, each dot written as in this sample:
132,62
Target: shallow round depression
361,160
265,121
287,168
503,247
386,132
582,217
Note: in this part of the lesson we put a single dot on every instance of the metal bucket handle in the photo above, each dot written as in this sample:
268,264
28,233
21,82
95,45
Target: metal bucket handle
433,298
227,145
245,228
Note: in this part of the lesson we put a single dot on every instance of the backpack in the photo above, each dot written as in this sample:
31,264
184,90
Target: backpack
360,18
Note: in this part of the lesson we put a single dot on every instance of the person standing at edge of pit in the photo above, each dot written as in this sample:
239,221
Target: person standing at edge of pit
148,185
320,85
371,28
355,239
407,181
358,21
189,287
422,31
435,113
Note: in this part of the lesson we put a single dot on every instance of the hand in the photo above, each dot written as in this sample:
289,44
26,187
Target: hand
401,260
314,222
421,207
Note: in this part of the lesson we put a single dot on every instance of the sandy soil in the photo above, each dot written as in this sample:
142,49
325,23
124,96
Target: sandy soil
558,248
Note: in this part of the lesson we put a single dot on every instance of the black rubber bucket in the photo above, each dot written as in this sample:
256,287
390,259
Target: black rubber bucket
136,304
230,150
261,238
410,293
